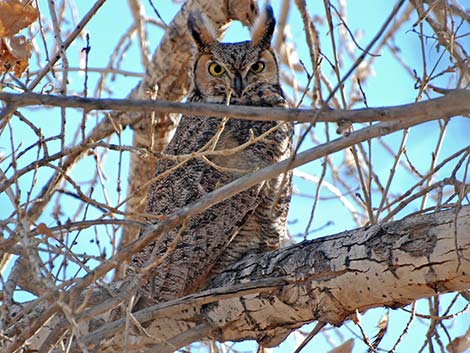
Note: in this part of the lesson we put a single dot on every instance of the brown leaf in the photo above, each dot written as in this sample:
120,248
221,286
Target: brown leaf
459,344
43,229
16,15
14,54
345,347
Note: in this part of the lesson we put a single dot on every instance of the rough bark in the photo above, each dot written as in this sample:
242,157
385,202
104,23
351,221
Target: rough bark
327,279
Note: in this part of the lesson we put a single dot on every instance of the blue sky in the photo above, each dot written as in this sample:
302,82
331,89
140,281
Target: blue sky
390,85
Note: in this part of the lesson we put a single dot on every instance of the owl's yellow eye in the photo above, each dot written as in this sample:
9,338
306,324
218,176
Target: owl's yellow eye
257,67
216,69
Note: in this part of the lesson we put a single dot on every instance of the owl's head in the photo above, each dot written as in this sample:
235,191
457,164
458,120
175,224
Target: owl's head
235,69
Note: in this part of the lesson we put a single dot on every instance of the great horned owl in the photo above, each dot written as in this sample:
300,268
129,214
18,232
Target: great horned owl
252,221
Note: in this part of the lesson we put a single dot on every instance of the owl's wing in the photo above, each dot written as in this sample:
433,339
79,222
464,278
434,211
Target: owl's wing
200,242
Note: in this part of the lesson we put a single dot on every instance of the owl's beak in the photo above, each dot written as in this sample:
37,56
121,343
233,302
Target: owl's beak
237,84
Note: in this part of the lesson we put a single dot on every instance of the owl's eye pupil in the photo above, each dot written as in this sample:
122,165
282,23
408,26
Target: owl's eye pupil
216,69
257,67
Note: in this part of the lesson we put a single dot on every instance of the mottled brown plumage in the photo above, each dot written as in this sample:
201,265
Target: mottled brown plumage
227,73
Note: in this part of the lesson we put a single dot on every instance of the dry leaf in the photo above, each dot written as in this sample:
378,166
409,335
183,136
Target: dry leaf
43,229
459,344
16,15
345,347
383,325
14,54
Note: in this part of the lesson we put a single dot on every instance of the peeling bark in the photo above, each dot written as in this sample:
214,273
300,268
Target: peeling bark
382,265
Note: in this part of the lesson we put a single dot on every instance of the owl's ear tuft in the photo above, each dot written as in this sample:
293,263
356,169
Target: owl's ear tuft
263,29
201,30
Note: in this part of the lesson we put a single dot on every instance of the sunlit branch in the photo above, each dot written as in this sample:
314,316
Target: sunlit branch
456,102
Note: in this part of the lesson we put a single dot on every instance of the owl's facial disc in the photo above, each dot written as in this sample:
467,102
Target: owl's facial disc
233,70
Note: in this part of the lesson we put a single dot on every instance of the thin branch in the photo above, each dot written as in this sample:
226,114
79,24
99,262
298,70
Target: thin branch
456,102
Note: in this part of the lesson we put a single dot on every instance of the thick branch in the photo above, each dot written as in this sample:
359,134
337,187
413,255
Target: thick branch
328,279
456,102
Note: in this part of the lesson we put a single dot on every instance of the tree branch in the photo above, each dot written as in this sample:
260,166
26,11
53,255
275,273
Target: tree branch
454,103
